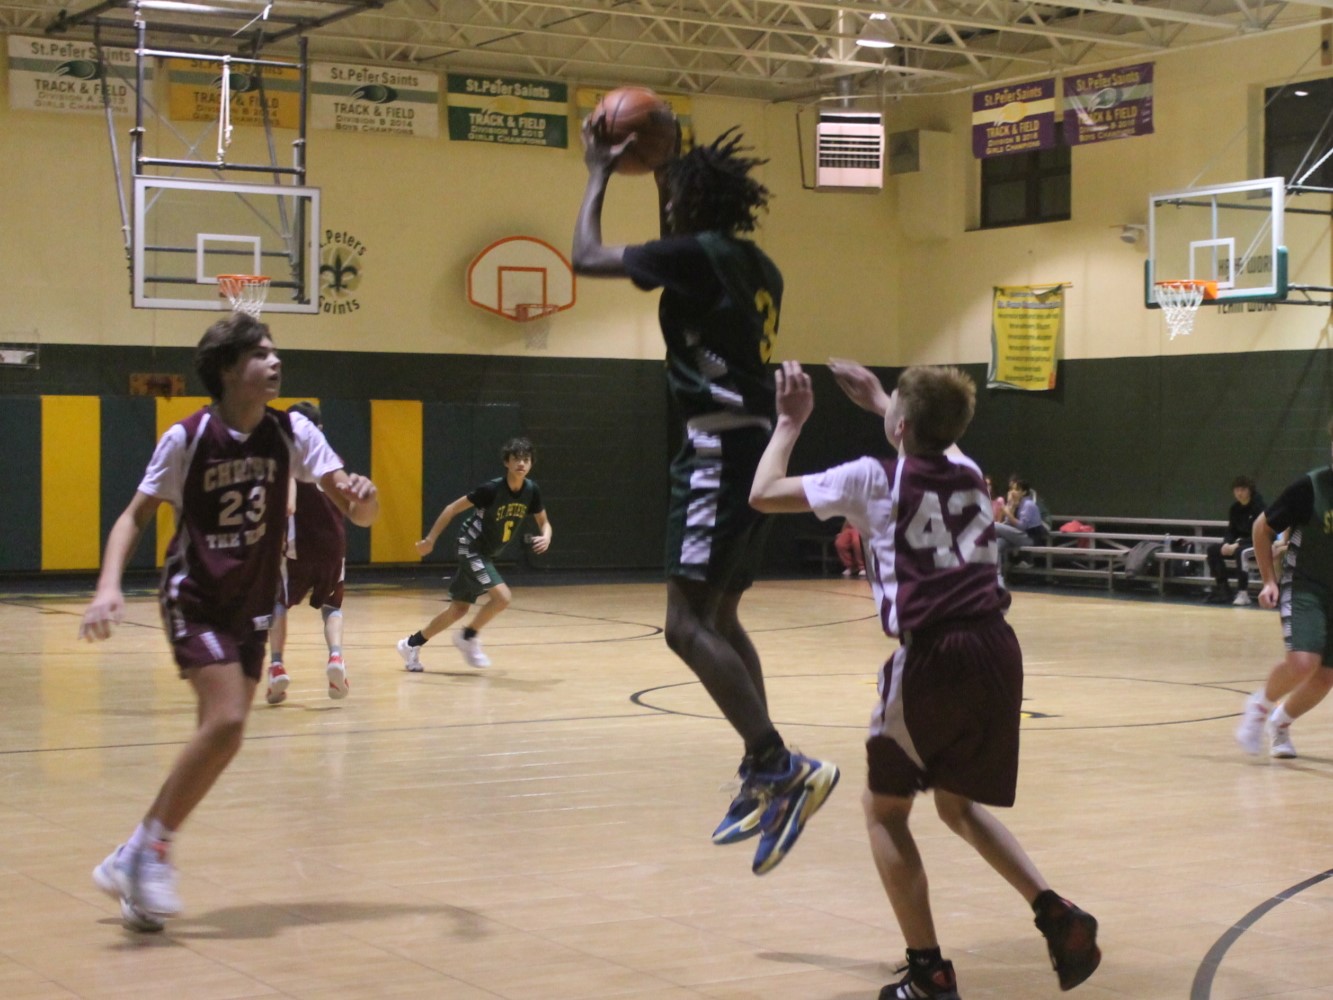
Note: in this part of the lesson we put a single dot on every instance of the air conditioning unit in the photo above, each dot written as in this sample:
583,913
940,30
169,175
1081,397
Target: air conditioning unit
849,151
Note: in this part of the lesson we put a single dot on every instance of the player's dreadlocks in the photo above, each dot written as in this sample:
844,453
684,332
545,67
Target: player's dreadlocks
711,187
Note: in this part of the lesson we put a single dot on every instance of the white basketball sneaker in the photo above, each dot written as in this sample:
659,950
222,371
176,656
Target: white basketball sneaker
1279,742
336,671
411,656
472,652
144,881
1250,732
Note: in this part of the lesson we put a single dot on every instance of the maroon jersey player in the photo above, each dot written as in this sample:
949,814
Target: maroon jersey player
948,713
225,471
314,567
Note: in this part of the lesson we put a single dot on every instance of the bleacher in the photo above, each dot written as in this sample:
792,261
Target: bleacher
1104,556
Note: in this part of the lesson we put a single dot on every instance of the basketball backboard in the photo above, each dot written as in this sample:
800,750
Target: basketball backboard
1231,234
187,232
521,278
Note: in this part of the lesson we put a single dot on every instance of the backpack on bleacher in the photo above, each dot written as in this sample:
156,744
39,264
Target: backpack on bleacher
1142,558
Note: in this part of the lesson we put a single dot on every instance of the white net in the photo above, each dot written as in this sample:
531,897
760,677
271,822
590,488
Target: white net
1180,301
246,292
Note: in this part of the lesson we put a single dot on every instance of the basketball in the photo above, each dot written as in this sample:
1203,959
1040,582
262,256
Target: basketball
640,112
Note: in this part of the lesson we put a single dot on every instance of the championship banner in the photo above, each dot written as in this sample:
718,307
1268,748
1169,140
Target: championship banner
194,92
45,75
586,98
1112,104
1014,119
347,97
508,111
1025,326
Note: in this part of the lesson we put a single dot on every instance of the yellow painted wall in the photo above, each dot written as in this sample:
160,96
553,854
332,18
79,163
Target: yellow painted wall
858,282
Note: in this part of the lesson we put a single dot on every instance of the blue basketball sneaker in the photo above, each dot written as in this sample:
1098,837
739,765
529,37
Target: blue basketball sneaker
743,815
793,796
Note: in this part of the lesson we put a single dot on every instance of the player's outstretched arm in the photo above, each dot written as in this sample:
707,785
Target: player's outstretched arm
354,494
427,545
773,491
590,255
542,542
860,384
108,605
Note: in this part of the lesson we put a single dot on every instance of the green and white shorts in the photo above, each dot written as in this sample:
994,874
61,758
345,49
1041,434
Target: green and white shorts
713,534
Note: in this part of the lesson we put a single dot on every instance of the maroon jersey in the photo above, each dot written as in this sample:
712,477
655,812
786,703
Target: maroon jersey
223,563
316,532
930,534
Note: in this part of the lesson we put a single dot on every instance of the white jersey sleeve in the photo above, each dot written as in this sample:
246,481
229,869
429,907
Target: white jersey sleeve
847,491
312,456
165,476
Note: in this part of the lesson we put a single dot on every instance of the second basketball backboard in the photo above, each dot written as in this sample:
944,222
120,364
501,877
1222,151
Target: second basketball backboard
187,232
1231,234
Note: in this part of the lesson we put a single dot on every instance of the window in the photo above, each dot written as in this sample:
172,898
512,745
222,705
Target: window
1024,188
1296,117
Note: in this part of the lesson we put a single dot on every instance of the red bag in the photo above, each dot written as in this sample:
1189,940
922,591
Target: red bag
1078,527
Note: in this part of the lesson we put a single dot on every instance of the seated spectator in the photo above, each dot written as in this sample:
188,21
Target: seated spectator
1022,523
1240,523
848,544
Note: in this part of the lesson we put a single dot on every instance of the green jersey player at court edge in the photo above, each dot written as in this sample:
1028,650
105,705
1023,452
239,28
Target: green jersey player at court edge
1304,595
719,309
497,509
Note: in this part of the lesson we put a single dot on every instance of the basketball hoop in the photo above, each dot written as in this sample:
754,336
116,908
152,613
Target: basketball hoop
1180,301
245,292
526,312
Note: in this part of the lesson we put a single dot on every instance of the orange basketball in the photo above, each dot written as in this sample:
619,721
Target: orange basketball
639,111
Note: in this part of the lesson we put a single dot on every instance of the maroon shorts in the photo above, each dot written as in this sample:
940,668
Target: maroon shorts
202,645
949,712
322,579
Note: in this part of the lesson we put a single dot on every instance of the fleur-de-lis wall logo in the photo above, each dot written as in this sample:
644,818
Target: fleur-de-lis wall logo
341,266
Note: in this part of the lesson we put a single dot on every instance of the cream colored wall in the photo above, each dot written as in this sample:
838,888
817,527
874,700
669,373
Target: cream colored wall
860,279
1202,97
424,209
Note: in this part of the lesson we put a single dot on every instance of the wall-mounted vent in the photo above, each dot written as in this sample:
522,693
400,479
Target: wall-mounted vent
850,151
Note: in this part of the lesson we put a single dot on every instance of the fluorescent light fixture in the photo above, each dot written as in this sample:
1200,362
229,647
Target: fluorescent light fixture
879,33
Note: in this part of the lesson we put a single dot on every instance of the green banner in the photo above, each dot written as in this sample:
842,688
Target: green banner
1025,327
508,111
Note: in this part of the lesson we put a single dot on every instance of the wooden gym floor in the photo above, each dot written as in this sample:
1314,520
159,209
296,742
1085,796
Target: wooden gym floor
540,830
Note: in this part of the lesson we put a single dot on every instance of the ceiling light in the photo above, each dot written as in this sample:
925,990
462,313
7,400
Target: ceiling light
879,33
1301,93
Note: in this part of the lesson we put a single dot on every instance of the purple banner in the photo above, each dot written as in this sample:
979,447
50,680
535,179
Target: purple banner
1015,119
1111,104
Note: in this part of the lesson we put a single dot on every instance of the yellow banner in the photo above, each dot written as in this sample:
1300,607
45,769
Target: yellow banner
1026,321
195,93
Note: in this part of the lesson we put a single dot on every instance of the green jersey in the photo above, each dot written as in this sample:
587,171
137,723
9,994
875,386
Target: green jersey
496,516
719,313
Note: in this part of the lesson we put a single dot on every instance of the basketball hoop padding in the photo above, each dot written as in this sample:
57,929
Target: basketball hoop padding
246,292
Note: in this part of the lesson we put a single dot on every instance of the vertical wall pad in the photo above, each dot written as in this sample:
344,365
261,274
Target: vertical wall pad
347,426
129,426
21,498
71,461
447,471
395,465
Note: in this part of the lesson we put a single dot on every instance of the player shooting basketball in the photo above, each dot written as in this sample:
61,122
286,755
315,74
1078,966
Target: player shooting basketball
719,314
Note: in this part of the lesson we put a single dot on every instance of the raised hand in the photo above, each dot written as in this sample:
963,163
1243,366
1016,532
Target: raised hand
860,384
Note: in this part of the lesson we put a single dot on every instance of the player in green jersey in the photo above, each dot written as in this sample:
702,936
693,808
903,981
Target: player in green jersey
496,510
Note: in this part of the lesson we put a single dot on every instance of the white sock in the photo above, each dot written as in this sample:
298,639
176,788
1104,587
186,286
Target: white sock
1263,701
1280,717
